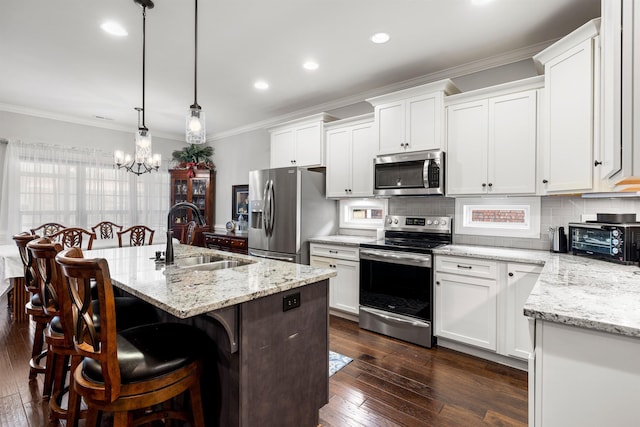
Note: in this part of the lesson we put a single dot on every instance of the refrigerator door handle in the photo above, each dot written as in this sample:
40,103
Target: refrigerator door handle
265,216
272,207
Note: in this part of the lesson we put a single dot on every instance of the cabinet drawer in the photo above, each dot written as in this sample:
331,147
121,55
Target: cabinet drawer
466,266
336,251
238,243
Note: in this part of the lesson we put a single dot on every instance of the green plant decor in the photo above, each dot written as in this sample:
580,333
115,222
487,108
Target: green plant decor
194,157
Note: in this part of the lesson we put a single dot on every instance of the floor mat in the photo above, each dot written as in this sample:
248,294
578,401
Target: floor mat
337,361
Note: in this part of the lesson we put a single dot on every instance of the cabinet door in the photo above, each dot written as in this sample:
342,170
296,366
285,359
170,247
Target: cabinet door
309,145
568,121
363,151
466,310
424,122
511,167
321,262
390,123
338,162
520,281
346,291
282,148
467,148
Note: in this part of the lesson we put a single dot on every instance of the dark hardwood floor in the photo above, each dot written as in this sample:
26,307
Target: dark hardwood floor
389,383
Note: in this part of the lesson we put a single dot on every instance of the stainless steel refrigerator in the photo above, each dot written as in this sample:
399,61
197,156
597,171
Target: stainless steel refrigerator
287,206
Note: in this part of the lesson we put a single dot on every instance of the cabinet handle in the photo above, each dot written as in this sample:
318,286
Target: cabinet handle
468,267
490,185
484,185
438,283
596,163
346,191
332,252
510,274
349,190
544,181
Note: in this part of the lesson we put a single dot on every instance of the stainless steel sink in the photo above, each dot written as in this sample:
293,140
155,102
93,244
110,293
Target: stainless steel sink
207,263
216,265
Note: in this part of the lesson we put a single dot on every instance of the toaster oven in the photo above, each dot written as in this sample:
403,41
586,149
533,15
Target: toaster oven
607,241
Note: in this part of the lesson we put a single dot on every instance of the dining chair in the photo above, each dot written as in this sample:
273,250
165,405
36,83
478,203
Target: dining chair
136,368
130,312
137,235
105,229
189,233
33,307
47,229
71,237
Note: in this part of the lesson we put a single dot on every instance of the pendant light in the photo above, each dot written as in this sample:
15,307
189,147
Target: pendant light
143,161
195,125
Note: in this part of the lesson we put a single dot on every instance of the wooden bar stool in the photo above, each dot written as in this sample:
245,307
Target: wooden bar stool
136,368
33,308
59,335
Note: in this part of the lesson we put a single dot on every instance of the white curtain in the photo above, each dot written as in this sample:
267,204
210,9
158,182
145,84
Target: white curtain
76,187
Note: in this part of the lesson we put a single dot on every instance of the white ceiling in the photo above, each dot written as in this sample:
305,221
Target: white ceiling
56,62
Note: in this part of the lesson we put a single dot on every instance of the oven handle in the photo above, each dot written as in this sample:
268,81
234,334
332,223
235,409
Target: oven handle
421,260
386,316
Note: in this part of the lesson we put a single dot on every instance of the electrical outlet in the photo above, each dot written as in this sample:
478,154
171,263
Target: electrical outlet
291,301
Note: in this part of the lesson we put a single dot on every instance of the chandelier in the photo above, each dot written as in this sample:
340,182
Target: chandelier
142,161
195,125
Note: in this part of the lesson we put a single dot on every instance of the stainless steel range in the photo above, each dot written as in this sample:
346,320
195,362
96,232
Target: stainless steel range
396,277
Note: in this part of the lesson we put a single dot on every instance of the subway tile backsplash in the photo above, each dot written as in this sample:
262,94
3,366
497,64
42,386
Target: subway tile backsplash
554,211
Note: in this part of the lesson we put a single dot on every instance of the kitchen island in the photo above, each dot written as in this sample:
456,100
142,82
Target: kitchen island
269,320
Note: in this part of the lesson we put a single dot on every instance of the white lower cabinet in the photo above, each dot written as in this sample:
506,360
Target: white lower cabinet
344,289
480,303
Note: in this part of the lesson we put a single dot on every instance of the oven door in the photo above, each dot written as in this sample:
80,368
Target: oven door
396,294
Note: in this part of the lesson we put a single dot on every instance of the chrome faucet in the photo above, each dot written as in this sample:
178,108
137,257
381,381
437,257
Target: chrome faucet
168,254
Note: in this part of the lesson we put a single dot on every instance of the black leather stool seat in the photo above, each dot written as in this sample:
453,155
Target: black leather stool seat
150,351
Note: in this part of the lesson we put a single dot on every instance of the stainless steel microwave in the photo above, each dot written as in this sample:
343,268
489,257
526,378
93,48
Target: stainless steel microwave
607,241
412,174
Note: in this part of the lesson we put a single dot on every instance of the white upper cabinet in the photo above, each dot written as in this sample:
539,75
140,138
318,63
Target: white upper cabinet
569,113
351,149
412,119
299,142
491,139
620,147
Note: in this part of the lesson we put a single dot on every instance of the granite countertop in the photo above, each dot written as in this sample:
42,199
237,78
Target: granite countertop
342,239
573,290
186,293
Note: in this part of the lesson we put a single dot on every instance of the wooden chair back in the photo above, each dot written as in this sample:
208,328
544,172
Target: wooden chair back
47,229
137,235
73,237
44,251
104,229
30,280
88,342
189,233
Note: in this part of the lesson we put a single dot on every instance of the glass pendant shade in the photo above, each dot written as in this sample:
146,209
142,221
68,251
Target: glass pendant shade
143,146
196,126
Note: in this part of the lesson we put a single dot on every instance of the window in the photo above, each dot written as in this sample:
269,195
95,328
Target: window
77,187
365,213
508,217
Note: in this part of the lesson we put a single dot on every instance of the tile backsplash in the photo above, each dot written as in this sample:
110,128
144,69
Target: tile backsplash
555,211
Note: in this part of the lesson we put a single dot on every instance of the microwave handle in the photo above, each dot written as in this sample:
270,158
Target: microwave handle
596,226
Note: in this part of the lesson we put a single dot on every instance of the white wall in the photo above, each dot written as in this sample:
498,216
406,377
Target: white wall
234,157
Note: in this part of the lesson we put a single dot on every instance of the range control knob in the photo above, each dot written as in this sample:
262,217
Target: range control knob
395,220
428,222
443,222
389,221
436,222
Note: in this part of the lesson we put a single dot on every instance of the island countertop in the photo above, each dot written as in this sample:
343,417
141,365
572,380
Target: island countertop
573,290
186,293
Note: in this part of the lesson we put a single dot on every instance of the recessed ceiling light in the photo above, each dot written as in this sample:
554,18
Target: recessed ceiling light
261,84
480,2
310,65
114,29
380,38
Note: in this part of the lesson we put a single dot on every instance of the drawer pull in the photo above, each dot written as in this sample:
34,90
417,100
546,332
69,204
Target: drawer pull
332,252
468,267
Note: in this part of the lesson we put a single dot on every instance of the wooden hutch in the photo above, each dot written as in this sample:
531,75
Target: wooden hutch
197,187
